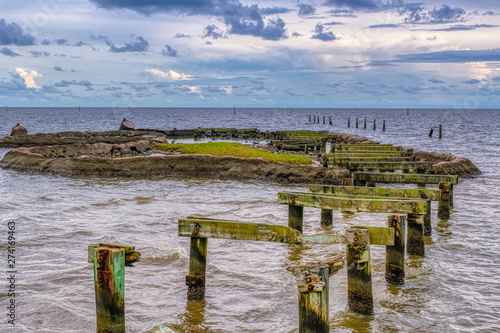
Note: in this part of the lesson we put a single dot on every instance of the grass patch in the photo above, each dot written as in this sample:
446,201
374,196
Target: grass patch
232,149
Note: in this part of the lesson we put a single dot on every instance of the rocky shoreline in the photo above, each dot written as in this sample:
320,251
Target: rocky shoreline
132,154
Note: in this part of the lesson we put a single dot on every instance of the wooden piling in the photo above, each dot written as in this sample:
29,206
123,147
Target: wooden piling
427,220
395,255
451,196
326,217
348,122
109,283
356,122
197,269
415,235
374,124
324,117
440,131
365,123
430,133
296,217
313,284
359,279
383,126
309,118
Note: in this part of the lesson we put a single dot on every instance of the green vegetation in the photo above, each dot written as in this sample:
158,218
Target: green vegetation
233,149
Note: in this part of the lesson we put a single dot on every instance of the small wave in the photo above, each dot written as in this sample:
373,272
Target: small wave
110,202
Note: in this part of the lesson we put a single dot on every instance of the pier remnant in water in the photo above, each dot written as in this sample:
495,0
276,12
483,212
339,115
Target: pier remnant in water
109,282
395,254
359,276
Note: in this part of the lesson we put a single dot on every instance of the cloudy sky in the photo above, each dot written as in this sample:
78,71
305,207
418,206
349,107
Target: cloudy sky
255,53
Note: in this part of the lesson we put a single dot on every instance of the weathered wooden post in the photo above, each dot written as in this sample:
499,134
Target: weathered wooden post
331,121
356,122
324,117
197,267
348,182
451,196
430,133
309,118
348,122
374,124
365,123
326,217
305,148
427,220
295,216
109,262
415,235
109,283
383,126
440,131
395,255
313,284
312,281
359,278
317,118
314,118
444,201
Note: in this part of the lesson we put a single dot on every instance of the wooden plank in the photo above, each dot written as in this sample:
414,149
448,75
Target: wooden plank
370,154
407,178
226,229
352,205
369,148
428,194
345,160
384,166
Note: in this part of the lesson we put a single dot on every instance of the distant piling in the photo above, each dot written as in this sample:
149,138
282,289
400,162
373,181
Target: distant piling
356,122
430,133
330,118
374,124
440,131
365,123
309,118
383,126
348,122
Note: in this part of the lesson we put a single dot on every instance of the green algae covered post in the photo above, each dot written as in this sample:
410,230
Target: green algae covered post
444,201
415,235
359,277
312,281
109,282
295,216
395,254
326,217
197,268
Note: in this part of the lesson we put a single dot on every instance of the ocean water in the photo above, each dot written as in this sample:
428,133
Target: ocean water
454,288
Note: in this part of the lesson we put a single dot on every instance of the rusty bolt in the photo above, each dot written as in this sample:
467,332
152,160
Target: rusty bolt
310,287
308,280
355,239
355,233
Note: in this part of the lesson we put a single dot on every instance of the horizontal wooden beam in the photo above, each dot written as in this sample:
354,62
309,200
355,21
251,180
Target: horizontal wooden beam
227,229
316,200
404,178
345,160
342,154
369,148
382,166
427,194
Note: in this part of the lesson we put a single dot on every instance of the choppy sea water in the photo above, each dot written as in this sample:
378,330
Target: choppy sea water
454,288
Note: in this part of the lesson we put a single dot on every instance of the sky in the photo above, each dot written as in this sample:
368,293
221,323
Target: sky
255,53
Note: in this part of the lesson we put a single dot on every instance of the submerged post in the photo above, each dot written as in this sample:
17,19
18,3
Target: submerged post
197,268
295,216
395,255
359,278
109,283
415,235
312,281
326,217
444,201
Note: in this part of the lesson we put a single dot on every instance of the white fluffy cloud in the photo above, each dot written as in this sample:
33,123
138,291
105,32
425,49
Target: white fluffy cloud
170,75
29,77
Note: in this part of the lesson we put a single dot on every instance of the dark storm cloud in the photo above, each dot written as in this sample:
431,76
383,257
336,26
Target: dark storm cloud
8,52
169,51
212,31
40,54
321,34
462,27
13,34
139,45
471,81
458,56
435,81
415,14
241,19
67,83
306,10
